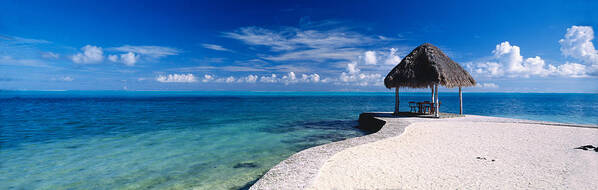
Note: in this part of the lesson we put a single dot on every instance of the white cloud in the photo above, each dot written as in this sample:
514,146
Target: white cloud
230,79
269,79
536,66
129,59
291,38
310,78
577,44
20,40
508,61
113,58
50,55
207,78
68,78
318,55
574,70
91,54
355,76
360,79
486,85
150,51
248,79
510,56
289,78
492,69
176,78
370,57
393,58
352,68
215,47
291,43
64,78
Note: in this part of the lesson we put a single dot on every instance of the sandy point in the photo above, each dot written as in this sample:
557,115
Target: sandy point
473,152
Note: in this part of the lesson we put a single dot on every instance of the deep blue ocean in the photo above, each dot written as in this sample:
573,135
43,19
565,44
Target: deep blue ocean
206,140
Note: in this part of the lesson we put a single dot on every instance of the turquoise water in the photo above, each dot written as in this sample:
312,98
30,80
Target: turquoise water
207,140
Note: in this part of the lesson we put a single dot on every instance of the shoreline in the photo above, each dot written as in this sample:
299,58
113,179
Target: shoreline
303,169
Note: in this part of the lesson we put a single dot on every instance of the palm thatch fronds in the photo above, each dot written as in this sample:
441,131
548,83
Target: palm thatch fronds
425,66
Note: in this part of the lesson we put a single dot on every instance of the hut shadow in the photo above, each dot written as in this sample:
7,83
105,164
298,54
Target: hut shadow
370,121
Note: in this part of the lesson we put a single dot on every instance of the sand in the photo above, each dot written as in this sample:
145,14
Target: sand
472,152
468,155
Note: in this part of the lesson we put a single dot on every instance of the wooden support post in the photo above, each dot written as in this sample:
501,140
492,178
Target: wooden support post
460,101
436,110
432,94
396,101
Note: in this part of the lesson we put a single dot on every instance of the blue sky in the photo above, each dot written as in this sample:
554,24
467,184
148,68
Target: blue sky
508,46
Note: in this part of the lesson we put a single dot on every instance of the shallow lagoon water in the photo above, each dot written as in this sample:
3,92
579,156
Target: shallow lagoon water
206,140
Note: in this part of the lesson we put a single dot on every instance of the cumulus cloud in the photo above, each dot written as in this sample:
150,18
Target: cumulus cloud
508,61
370,57
310,78
248,79
113,58
510,56
291,77
288,78
230,79
90,54
269,79
207,78
573,70
392,58
492,69
360,79
577,44
215,47
353,76
129,58
176,78
352,68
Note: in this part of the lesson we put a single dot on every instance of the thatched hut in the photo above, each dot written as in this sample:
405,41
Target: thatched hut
427,67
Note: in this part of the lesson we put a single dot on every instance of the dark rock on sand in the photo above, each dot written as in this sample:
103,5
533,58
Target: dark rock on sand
368,122
587,147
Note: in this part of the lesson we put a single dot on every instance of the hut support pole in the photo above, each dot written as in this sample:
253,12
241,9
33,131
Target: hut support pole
396,101
436,101
432,94
460,102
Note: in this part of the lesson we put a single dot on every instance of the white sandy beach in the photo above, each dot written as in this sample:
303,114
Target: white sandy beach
472,152
468,155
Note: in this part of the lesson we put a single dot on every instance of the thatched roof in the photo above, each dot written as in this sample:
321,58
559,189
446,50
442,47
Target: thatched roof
425,66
